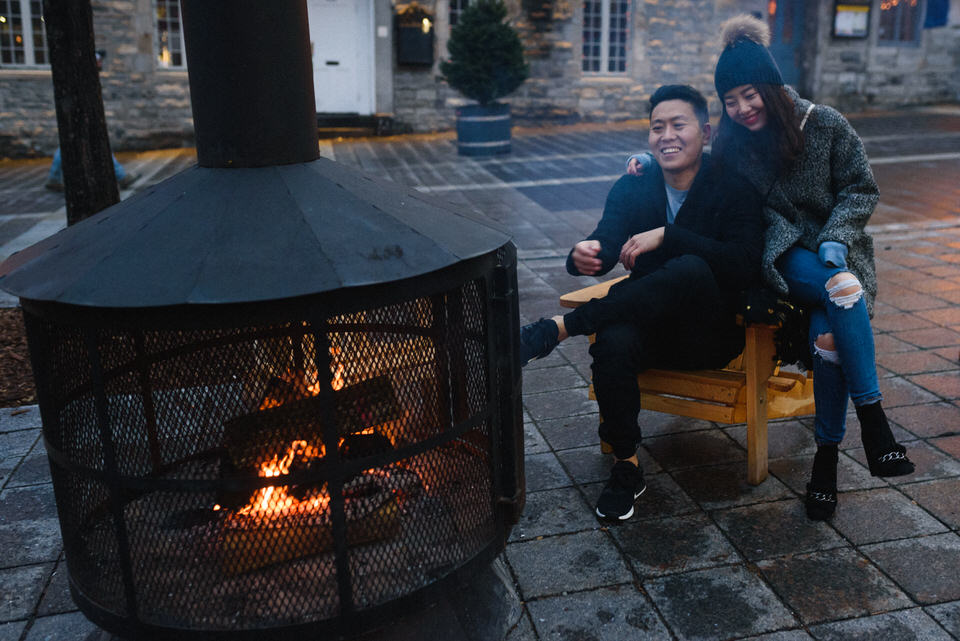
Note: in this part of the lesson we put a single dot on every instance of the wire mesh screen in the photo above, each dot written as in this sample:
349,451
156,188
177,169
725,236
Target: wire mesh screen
274,474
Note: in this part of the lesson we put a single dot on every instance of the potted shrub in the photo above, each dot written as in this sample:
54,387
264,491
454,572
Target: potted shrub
486,63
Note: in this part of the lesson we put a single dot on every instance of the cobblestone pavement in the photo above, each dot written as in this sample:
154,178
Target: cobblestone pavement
707,556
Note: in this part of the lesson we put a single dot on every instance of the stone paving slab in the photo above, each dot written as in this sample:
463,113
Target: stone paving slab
571,432
694,449
589,464
832,584
19,418
930,464
609,614
789,635
21,588
560,511
718,603
720,486
947,615
567,563
933,419
774,529
883,514
544,472
672,545
940,498
851,475
925,567
784,438
908,625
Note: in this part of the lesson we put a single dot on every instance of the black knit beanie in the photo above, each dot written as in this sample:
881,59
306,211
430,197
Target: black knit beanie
745,59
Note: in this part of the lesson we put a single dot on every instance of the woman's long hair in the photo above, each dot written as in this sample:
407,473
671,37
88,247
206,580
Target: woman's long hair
781,141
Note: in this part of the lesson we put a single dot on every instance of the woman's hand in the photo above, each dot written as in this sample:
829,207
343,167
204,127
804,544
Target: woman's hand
640,244
585,257
638,163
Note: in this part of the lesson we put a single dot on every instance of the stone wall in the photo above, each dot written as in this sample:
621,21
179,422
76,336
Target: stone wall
671,41
145,106
862,74
669,44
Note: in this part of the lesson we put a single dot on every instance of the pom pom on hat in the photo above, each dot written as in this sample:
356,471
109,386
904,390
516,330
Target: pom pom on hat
743,27
745,59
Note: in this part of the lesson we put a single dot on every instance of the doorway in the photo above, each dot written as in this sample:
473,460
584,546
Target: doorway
786,28
341,43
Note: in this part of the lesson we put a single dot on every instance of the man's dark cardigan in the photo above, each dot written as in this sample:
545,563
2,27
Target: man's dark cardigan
720,221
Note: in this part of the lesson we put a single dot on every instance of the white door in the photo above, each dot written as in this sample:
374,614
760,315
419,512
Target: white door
341,38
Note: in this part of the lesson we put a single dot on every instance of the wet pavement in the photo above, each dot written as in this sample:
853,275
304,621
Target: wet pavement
706,556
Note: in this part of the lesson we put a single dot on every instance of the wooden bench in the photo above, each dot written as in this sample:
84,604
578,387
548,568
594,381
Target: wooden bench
751,389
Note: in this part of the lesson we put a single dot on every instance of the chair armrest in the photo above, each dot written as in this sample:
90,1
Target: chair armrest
579,297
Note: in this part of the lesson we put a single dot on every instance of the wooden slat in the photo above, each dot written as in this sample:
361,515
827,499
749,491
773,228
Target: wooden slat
685,407
581,296
758,358
718,386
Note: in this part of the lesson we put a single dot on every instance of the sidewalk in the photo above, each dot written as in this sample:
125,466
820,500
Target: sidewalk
707,556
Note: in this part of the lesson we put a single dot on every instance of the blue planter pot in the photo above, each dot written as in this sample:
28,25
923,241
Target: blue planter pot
483,130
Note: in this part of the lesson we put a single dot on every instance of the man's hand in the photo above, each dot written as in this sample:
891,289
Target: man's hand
585,257
640,244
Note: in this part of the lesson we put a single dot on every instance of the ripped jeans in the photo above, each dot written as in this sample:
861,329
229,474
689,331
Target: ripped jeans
848,372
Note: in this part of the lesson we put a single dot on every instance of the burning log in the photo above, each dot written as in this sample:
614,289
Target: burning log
279,529
288,416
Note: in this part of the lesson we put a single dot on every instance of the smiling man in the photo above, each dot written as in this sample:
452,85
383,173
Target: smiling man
690,233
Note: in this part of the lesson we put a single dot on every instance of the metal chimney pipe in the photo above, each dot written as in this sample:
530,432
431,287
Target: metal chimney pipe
251,82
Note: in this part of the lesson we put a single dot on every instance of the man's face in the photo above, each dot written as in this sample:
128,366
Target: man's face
676,137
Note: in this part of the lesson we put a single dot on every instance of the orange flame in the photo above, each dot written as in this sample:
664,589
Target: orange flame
274,501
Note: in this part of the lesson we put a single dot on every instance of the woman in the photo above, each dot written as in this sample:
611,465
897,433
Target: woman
819,193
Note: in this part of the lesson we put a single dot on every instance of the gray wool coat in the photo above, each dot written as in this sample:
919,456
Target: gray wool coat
829,195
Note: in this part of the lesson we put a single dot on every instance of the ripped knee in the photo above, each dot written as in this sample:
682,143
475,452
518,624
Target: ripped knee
825,348
844,290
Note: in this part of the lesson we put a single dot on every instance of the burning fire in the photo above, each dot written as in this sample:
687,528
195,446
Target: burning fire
275,501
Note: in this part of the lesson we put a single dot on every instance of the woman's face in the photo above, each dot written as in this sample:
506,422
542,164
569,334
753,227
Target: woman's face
745,107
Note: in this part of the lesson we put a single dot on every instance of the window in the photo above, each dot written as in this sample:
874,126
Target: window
456,8
170,52
605,36
23,40
899,22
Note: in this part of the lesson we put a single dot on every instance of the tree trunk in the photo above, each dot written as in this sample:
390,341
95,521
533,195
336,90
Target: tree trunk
88,178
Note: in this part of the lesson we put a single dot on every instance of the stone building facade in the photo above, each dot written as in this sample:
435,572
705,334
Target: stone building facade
854,61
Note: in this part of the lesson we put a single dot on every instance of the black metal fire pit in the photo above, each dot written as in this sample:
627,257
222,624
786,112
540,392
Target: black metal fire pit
277,395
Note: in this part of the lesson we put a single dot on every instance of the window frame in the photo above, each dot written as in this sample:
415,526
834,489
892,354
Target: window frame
454,9
28,43
898,6
604,60
158,49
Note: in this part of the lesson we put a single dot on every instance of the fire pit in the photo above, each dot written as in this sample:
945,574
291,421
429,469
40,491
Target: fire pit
277,395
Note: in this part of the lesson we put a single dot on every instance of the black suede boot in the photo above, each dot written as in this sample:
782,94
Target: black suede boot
821,500
885,456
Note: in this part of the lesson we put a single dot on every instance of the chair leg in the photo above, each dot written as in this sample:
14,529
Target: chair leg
758,354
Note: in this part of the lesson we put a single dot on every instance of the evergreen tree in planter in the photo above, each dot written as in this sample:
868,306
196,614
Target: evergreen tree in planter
486,63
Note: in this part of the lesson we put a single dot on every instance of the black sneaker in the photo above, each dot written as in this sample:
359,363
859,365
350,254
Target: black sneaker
538,339
616,500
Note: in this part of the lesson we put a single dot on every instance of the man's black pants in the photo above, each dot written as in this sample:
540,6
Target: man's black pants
675,317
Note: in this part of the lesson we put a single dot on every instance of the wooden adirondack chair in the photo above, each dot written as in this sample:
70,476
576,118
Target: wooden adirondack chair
751,389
